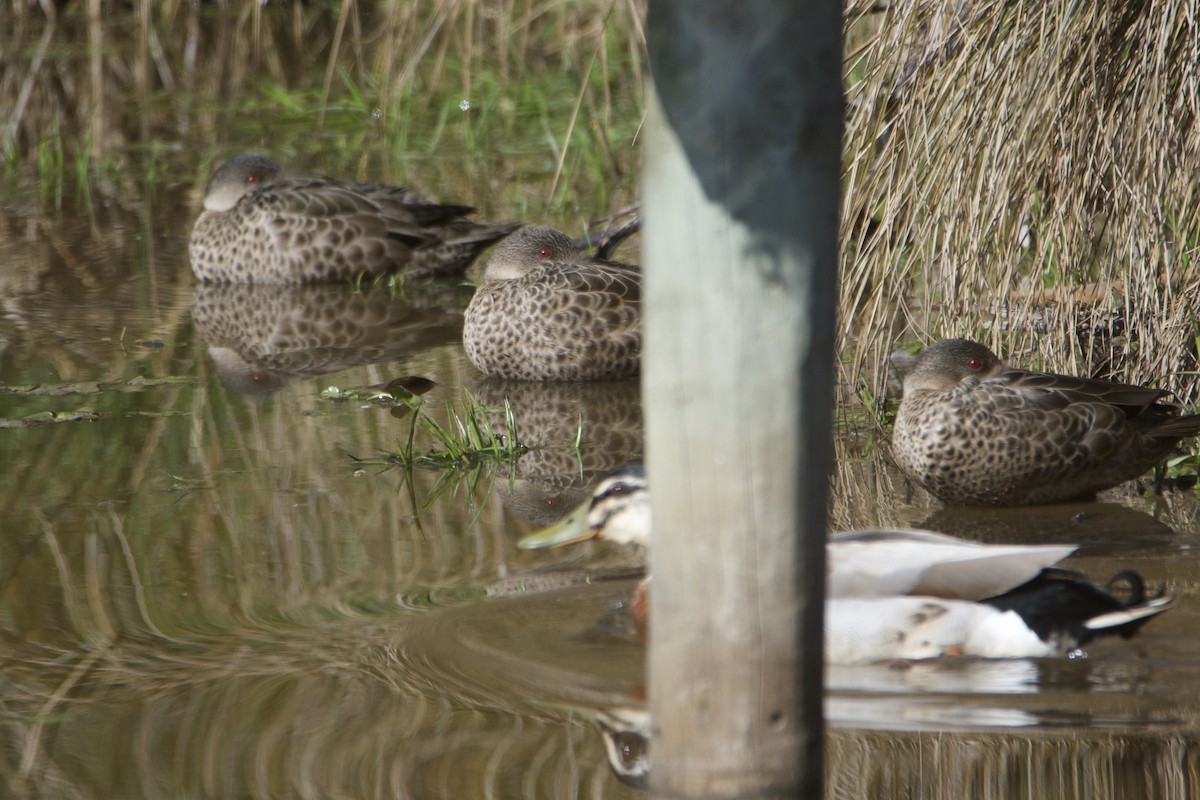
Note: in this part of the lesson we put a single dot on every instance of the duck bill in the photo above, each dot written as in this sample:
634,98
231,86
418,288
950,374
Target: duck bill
570,529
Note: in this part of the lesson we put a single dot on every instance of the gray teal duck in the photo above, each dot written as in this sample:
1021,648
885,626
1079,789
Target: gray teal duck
545,312
260,225
973,431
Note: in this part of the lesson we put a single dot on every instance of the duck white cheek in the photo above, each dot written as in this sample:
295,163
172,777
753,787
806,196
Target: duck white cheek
627,527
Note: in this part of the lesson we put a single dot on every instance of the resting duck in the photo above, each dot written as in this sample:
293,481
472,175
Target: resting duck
972,431
912,594
546,312
262,226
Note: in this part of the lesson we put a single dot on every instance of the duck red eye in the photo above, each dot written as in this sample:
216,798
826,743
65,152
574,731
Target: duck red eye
974,363
544,252
251,179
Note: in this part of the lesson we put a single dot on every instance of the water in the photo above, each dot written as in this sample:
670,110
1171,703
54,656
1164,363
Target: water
215,583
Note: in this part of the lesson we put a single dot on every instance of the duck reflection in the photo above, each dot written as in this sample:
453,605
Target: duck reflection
625,731
998,699
261,337
555,476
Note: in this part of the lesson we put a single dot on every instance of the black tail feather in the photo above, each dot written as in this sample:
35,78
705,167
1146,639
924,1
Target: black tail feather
1062,605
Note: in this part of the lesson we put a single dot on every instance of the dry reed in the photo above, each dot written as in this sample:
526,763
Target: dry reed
1023,174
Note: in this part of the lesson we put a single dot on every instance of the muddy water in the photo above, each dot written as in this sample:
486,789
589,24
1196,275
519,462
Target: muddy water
214,583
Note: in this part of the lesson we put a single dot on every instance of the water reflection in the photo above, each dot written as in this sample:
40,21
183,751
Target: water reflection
344,710
261,337
577,432
993,766
626,733
879,745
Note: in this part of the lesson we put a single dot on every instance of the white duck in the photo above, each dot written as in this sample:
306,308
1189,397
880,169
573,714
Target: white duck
912,594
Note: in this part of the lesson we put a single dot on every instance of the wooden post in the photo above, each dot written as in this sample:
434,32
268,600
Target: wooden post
741,189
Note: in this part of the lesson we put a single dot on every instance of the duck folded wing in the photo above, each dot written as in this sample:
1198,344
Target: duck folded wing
882,563
598,280
1056,389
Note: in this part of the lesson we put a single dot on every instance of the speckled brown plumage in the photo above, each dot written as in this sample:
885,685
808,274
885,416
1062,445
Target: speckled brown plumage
260,337
554,476
974,432
544,312
261,226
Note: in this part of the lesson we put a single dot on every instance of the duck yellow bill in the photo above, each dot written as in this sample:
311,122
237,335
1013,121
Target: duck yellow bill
571,528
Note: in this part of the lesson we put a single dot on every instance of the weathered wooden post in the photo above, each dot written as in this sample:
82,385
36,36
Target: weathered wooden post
741,194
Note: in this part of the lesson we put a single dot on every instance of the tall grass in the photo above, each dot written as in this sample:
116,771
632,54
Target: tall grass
358,88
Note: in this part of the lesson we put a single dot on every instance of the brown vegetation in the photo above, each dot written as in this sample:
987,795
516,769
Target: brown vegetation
1004,158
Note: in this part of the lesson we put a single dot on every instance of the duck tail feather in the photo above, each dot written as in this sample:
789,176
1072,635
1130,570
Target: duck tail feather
1126,621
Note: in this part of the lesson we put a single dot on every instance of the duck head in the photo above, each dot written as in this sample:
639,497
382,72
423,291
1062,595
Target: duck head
236,178
618,510
525,250
946,364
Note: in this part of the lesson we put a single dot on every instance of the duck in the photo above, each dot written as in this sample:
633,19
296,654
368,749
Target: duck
544,311
262,226
908,594
972,431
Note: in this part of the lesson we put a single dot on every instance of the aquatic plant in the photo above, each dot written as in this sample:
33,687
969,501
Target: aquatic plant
461,442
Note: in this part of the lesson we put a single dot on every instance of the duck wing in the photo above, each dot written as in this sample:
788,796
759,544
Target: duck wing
1089,421
305,212
401,211
599,278
405,204
1049,390
881,563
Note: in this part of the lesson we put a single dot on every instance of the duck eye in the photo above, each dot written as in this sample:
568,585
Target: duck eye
544,252
251,179
974,363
